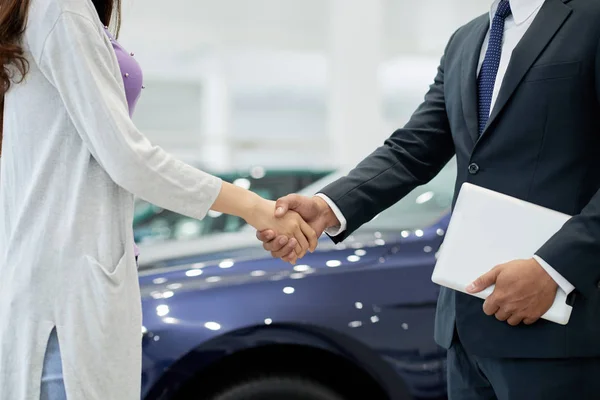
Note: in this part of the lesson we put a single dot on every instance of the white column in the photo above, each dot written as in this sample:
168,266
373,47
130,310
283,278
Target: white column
215,152
356,52
436,20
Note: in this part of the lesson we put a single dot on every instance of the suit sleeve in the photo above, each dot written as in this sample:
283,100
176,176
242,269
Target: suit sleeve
574,251
78,62
411,157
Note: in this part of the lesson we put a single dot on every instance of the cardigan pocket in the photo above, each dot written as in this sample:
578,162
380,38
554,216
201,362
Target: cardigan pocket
110,303
113,273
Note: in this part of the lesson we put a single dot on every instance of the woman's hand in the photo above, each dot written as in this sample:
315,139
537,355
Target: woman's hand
260,213
290,225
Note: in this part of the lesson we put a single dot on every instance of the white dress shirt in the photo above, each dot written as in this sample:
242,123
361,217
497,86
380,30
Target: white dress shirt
515,26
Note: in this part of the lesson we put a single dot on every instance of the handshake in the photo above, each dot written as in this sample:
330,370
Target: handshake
295,226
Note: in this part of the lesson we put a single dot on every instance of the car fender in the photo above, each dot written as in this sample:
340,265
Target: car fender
213,350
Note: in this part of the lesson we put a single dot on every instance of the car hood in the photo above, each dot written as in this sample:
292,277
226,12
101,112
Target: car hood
154,254
228,264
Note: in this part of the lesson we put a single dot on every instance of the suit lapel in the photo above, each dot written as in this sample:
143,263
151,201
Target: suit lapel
470,61
551,17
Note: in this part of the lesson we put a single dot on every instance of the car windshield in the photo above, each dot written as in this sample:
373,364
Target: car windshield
421,208
154,224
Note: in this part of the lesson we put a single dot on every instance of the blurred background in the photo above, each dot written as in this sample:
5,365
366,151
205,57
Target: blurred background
274,94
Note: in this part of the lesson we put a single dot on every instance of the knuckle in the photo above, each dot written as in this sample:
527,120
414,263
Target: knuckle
500,300
531,317
509,309
492,301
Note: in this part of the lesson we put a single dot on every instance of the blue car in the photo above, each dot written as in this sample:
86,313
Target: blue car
225,321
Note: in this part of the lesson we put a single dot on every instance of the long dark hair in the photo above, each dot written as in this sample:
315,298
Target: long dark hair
13,20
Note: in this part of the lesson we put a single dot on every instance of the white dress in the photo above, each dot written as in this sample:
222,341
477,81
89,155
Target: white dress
71,163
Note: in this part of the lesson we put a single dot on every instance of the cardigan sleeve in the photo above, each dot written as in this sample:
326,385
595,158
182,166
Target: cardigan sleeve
77,60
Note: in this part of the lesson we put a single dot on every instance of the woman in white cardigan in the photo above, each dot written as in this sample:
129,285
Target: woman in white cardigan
72,161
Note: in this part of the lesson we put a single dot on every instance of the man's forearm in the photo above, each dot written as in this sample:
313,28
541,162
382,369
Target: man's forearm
574,250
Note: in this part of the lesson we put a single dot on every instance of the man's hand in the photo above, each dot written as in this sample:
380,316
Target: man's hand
314,210
523,293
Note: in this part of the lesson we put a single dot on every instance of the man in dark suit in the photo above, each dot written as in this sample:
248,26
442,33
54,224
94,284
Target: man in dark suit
517,100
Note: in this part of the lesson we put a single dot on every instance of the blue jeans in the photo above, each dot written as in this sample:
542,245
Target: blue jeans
53,387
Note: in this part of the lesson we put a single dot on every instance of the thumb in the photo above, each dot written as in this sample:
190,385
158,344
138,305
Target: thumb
286,203
484,281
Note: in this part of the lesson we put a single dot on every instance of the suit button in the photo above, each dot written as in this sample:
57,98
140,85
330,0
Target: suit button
598,285
473,169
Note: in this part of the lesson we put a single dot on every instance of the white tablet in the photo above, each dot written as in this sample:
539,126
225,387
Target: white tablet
488,228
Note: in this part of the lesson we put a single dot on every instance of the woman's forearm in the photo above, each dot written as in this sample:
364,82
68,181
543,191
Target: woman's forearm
260,213
234,200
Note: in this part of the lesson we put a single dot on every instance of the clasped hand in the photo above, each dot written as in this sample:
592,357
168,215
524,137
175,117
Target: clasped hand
288,227
314,210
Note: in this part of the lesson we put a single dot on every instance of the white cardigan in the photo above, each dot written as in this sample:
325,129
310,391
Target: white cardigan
71,162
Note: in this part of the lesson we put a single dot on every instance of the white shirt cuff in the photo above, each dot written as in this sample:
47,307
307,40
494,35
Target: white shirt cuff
564,284
336,230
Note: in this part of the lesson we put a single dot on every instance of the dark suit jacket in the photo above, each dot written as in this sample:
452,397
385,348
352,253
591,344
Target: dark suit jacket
541,144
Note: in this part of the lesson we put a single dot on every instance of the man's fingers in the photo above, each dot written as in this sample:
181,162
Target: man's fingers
490,307
298,251
265,236
484,281
530,321
302,244
502,315
285,250
286,203
290,258
310,235
276,244
515,320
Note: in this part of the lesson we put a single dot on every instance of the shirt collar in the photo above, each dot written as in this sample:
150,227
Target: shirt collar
521,9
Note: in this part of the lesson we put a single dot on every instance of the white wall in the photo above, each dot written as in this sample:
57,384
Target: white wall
233,83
